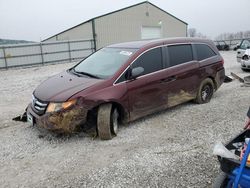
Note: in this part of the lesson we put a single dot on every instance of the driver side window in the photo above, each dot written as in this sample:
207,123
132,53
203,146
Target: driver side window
151,61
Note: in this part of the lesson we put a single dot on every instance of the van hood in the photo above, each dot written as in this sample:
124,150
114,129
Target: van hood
61,87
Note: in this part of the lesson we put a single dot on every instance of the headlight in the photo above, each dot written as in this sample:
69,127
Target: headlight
54,107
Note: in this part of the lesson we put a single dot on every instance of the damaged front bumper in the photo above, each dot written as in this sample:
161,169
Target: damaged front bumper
64,121
245,64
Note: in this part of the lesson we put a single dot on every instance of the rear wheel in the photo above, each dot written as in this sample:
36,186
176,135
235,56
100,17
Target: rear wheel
205,92
107,121
246,70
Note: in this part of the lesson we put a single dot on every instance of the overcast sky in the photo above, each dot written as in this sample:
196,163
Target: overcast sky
39,19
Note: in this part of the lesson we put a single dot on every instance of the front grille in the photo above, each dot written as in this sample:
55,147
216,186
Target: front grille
39,106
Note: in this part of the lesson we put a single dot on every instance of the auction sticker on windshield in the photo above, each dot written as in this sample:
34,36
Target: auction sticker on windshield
127,53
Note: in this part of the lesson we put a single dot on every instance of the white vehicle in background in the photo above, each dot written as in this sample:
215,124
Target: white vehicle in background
245,44
245,60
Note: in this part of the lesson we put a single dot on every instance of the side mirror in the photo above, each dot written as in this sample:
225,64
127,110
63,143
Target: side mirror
136,72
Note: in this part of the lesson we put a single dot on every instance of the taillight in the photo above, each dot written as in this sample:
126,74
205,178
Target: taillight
222,61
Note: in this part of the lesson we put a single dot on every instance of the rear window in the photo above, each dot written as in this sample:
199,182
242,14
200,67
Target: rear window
179,54
204,51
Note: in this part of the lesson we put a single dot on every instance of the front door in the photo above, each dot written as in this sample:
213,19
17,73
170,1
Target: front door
146,92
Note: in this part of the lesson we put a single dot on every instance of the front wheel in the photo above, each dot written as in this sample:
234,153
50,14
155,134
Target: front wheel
245,70
107,121
205,92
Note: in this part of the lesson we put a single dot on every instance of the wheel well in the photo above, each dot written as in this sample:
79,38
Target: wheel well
92,114
245,57
214,82
123,115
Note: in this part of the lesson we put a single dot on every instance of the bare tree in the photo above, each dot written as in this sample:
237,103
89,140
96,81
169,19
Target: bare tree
200,35
192,32
247,34
231,36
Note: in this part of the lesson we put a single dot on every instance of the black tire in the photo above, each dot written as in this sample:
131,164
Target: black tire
221,181
245,57
205,91
245,70
107,121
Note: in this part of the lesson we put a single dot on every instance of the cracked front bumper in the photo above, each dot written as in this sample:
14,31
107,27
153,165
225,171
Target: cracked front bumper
65,121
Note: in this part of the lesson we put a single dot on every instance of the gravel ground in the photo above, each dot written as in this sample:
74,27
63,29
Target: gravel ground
172,148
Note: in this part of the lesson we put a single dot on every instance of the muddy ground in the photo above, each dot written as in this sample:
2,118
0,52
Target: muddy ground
172,148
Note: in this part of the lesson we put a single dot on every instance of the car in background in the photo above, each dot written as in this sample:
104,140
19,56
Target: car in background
222,46
245,44
245,60
126,81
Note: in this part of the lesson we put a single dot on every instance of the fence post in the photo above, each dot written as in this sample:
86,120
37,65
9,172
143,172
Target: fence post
5,58
70,59
41,50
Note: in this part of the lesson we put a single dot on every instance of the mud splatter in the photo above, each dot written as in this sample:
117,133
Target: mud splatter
175,99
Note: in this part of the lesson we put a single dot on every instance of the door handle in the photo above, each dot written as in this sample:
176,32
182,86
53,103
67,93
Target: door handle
169,79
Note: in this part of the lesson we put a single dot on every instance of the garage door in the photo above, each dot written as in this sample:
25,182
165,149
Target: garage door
150,32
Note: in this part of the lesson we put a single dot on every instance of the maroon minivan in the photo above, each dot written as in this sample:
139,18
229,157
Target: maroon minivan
123,82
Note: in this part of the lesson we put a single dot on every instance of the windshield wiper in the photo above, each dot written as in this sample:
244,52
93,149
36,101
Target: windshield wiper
85,73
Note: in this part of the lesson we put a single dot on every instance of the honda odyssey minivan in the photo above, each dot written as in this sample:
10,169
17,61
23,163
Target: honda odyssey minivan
123,82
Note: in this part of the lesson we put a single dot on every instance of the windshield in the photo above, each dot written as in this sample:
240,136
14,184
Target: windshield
245,44
105,62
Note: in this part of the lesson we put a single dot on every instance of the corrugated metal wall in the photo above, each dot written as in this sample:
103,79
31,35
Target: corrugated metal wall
2,60
126,25
83,31
41,53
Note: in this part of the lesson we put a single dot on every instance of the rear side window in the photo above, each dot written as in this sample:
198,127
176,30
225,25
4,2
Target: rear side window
204,51
151,61
179,54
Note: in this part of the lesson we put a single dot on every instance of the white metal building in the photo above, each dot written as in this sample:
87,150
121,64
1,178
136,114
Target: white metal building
141,21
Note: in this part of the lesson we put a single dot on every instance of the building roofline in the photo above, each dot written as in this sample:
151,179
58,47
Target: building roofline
90,20
166,12
144,43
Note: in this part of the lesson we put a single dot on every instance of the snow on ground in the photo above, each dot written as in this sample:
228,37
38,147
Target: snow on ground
172,148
